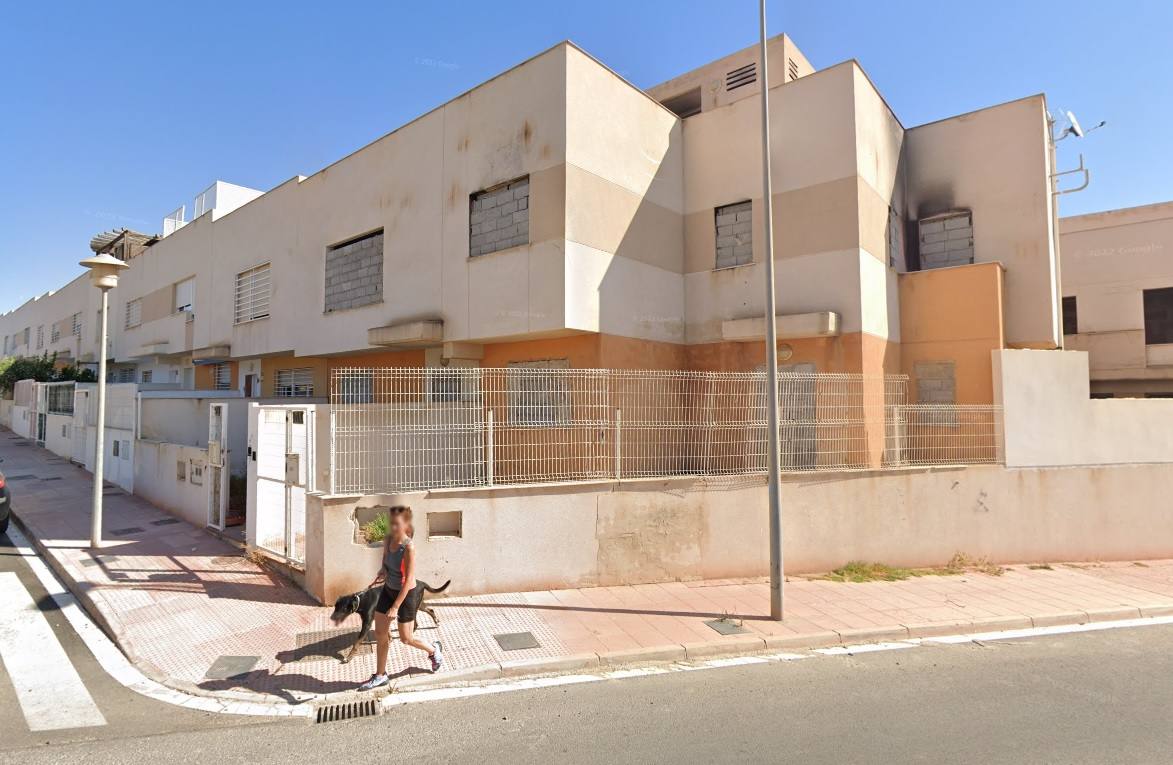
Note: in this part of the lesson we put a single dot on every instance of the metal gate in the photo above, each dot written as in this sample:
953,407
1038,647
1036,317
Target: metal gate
282,460
214,472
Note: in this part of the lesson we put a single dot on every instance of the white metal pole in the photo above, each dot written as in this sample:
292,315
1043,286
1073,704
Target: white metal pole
490,457
99,436
774,479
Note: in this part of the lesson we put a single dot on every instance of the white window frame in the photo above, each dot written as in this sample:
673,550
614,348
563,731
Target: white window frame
252,291
185,295
134,313
294,383
54,334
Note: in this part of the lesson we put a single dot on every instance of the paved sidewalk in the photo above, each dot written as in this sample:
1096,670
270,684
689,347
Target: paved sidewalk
183,604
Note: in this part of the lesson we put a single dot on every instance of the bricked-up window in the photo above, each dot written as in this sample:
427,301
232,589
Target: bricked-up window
222,377
1070,316
935,382
134,314
294,383
253,288
538,393
498,218
946,240
734,224
354,272
1158,316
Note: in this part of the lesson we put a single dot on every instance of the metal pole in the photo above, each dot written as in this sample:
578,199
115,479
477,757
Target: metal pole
490,458
99,436
774,480
618,445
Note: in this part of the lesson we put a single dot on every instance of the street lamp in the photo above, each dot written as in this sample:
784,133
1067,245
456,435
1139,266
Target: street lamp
104,270
773,447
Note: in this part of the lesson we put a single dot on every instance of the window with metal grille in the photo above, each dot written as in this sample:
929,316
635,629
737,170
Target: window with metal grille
75,329
185,295
1070,316
54,333
252,294
134,313
59,399
145,376
26,336
355,386
40,337
734,227
1158,316
126,375
946,240
741,76
537,393
221,377
299,383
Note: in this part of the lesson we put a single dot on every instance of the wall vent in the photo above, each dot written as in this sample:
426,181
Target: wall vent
791,69
741,76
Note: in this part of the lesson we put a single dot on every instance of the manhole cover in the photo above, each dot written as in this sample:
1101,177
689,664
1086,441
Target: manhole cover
127,531
517,641
726,627
164,521
329,644
229,667
24,477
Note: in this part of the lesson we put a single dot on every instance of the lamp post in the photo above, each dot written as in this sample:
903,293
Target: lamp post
104,270
774,478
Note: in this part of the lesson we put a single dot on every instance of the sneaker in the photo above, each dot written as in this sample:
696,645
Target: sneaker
376,681
436,657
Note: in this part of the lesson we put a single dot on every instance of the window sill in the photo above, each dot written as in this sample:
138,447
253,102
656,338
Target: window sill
721,269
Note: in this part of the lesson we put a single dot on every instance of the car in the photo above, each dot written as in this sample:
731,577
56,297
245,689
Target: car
5,504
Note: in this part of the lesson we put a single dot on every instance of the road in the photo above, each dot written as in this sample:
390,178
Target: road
1095,697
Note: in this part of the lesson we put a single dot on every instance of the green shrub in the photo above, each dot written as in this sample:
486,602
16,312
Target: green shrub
376,530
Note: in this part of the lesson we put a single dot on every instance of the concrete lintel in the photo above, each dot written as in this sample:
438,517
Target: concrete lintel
212,354
790,326
425,332
471,351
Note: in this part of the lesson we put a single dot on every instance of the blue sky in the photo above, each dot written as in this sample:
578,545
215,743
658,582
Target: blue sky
113,114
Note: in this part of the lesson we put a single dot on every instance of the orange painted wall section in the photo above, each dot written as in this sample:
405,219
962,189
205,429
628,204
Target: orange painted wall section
954,314
205,376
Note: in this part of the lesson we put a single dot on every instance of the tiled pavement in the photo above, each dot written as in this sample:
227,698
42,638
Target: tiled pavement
178,599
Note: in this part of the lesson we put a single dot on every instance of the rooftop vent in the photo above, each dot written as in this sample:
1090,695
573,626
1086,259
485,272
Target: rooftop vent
791,68
742,76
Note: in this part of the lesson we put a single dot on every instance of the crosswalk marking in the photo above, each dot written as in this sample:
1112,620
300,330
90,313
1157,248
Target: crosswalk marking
51,693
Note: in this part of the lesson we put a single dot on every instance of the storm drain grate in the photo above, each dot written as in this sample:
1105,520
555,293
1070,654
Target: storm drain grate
127,531
24,477
517,641
726,627
164,521
350,710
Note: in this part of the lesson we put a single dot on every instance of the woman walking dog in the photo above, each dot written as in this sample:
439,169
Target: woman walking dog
399,598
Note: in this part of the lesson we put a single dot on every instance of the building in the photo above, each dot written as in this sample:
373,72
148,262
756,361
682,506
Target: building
1118,298
557,215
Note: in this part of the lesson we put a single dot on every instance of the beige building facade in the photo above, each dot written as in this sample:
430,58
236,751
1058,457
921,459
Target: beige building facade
558,213
1118,298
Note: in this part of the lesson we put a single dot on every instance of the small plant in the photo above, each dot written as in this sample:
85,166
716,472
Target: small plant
376,530
1041,567
961,563
861,571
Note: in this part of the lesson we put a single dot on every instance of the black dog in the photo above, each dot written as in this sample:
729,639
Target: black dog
363,603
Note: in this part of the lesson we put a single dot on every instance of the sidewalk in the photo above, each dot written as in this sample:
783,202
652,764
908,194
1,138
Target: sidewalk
191,612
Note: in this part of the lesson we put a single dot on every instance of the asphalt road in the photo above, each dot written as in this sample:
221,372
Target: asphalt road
1097,697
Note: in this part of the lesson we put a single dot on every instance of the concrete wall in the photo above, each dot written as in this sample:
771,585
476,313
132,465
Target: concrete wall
1109,259
995,162
59,434
183,419
648,531
1050,420
156,479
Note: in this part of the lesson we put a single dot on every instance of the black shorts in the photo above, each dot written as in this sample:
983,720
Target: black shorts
407,609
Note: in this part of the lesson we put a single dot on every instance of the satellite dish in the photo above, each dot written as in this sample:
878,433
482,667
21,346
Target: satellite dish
1075,129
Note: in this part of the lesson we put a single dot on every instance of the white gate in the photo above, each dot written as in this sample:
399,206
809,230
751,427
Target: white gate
282,471
215,473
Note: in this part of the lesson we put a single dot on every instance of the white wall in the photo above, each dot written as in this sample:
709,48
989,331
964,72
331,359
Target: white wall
156,479
1050,419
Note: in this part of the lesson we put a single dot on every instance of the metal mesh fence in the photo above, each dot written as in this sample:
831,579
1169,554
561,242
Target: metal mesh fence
403,429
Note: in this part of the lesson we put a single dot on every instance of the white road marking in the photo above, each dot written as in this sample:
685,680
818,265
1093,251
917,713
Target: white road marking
115,663
52,695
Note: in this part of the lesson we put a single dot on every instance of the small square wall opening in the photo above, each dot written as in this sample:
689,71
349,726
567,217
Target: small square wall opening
445,525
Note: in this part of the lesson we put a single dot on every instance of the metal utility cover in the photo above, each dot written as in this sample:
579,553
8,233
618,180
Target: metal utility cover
127,531
517,641
228,667
164,521
726,627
